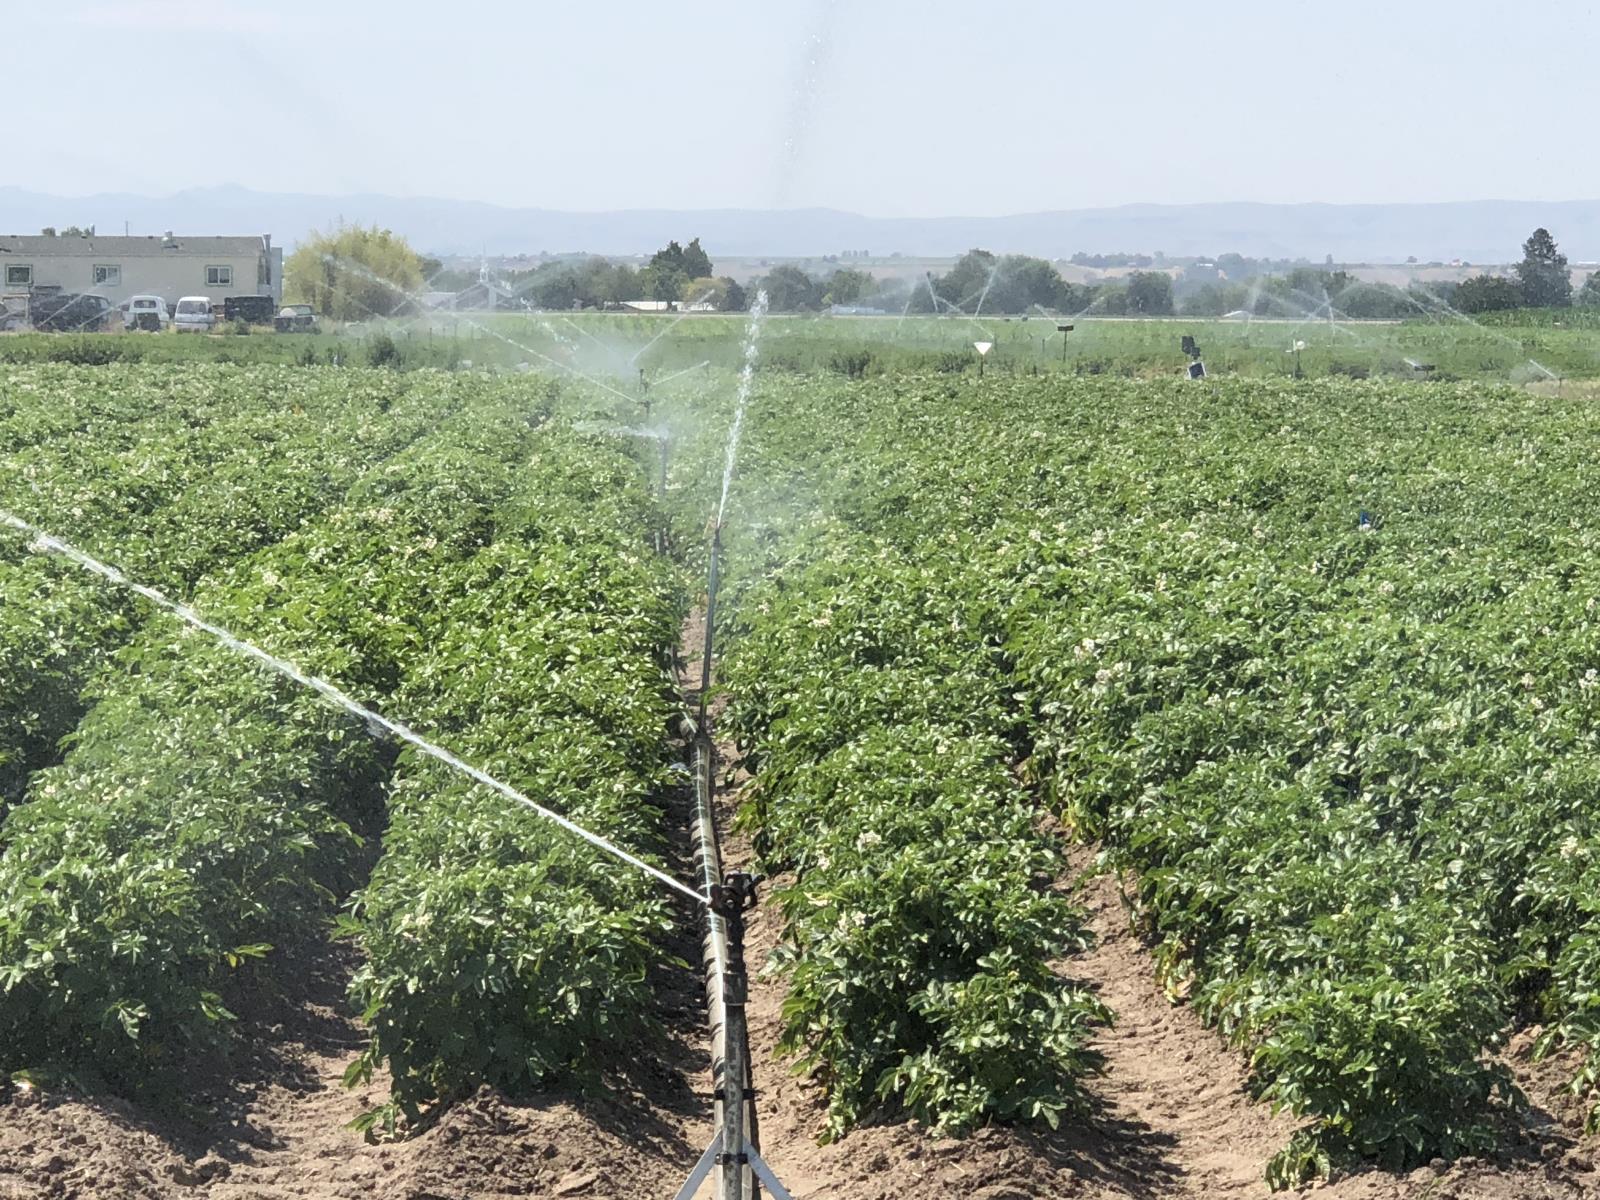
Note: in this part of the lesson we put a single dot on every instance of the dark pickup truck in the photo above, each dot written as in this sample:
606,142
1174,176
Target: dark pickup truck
295,318
252,310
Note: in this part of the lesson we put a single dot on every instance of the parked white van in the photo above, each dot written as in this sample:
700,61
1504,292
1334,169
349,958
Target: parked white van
194,315
145,312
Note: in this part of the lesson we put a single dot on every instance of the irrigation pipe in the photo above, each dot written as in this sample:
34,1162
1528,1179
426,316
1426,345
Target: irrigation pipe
46,543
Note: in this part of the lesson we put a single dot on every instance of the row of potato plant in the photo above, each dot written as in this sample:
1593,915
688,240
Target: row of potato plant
206,812
1317,666
919,947
189,473
498,948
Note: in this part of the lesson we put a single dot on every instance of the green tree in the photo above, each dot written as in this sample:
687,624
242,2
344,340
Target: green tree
1076,297
673,268
1374,301
1150,293
1487,293
663,282
1589,294
847,286
562,288
1546,281
353,273
1020,282
1111,300
735,299
790,289
966,281
696,263
1215,299
612,283
668,258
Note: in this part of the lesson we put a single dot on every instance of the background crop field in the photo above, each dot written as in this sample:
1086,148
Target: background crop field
1517,347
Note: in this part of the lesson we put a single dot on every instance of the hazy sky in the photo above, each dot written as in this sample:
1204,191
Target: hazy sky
887,107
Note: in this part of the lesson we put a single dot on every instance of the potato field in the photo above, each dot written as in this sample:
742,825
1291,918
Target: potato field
1306,672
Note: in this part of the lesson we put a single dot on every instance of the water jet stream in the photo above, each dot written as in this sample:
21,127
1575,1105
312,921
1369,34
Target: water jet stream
747,375
45,543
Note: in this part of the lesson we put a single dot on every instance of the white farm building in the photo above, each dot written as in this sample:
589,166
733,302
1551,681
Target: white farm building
166,266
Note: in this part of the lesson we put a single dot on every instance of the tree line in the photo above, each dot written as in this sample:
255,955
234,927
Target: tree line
352,273
1019,284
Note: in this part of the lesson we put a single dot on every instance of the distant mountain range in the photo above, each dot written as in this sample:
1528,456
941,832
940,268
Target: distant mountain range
1488,231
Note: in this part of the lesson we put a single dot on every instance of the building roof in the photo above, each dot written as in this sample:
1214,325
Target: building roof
39,246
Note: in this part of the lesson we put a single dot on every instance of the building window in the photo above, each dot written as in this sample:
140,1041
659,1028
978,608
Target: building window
18,275
107,275
219,276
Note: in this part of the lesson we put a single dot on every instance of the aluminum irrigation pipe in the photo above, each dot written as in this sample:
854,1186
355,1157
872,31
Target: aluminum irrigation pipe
44,542
725,1058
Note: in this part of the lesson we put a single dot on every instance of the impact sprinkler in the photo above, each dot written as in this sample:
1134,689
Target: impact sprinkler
1196,369
1295,350
1063,330
983,349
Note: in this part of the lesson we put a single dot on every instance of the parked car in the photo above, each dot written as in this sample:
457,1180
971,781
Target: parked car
252,310
194,315
295,318
68,312
145,312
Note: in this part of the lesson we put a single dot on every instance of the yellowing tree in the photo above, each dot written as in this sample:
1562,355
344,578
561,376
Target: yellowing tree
354,274
705,290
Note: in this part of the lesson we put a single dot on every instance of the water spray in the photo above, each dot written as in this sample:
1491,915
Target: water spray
45,543
747,375
484,329
671,325
680,374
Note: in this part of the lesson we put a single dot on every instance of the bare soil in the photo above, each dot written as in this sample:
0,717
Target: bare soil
1172,1116
277,1128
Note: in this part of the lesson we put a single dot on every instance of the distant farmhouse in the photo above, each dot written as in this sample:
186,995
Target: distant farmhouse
167,266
